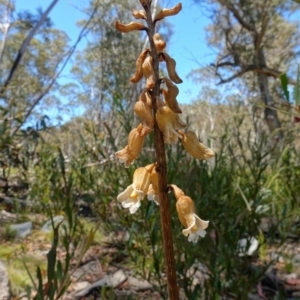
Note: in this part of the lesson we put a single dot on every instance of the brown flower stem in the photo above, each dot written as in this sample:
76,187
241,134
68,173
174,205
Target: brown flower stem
162,170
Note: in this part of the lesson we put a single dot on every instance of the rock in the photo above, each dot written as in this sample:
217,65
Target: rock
289,276
7,216
247,246
112,280
4,283
87,269
47,227
199,274
22,230
79,286
276,257
139,285
296,259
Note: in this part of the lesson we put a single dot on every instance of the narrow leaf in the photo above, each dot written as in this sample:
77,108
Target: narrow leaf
284,84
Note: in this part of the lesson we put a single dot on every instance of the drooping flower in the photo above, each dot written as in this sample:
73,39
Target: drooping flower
148,72
152,193
171,94
129,27
185,207
192,145
166,12
144,111
168,122
134,147
134,193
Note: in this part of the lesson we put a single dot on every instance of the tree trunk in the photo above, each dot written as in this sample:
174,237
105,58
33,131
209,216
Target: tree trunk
270,112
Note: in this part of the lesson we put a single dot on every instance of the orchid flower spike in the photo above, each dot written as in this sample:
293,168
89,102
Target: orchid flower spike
134,193
187,215
168,122
134,147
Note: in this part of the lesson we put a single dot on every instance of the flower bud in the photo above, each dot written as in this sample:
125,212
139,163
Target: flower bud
148,72
139,63
130,26
159,43
144,112
171,65
166,12
170,95
139,14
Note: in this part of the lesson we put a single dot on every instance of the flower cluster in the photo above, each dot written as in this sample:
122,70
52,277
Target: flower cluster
164,110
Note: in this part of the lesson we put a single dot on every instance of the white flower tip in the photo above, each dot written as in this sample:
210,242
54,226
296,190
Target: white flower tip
193,237
134,207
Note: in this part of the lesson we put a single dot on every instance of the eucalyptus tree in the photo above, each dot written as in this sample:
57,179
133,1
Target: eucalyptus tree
255,43
32,53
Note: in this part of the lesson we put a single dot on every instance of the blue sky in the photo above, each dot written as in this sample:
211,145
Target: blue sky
182,47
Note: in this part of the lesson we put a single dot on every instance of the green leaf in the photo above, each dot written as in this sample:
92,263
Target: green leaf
284,84
40,287
61,162
28,291
59,271
30,276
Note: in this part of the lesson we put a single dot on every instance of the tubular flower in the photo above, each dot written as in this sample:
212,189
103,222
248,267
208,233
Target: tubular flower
187,215
168,122
134,193
170,95
194,147
134,147
139,63
144,112
152,193
148,72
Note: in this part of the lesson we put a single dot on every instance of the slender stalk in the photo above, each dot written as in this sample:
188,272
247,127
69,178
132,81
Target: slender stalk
162,170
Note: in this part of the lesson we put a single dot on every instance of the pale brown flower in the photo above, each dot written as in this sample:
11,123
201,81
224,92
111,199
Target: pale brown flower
130,26
144,112
134,147
134,193
186,211
138,66
159,43
148,72
139,14
166,12
171,67
168,122
171,94
192,145
153,194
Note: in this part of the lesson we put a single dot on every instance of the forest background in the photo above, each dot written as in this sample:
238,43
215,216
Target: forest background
66,108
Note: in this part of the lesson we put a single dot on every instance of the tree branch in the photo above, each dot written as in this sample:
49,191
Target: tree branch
25,44
40,96
237,15
245,69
